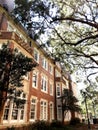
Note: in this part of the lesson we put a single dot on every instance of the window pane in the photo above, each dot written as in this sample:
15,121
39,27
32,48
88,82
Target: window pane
33,109
6,111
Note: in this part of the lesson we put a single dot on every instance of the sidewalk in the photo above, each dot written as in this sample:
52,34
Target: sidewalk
92,127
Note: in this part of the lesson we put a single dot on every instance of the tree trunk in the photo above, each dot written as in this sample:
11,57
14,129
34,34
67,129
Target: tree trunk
62,117
1,112
3,96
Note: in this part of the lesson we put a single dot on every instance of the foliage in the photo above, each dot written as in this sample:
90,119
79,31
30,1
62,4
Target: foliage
74,41
34,15
11,128
13,66
73,35
69,103
41,125
46,126
56,123
74,121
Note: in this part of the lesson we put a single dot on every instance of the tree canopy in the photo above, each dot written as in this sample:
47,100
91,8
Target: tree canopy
75,40
74,31
34,15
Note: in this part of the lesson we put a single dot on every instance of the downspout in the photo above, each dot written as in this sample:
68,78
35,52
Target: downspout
1,20
55,99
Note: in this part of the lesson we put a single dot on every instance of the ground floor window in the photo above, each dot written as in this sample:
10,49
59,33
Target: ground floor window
59,113
51,112
33,109
12,112
22,113
6,112
43,110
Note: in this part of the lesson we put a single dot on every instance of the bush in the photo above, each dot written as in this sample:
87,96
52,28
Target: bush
11,128
74,121
56,123
40,125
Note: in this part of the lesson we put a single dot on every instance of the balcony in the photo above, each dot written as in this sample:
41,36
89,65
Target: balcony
4,35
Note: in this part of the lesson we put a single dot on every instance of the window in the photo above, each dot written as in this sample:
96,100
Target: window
6,111
59,113
44,63
44,84
18,111
50,69
51,112
33,109
35,79
36,55
43,110
58,90
22,113
51,89
12,111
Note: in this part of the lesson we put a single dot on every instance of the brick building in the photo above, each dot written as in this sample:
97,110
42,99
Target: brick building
41,87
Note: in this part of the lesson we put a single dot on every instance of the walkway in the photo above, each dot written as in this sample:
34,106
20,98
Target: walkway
93,127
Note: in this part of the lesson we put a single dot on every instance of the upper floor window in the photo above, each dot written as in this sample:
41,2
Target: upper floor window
50,69
35,79
44,84
51,89
58,91
36,55
44,63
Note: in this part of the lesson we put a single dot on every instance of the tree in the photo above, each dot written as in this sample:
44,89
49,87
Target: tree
73,26
13,66
34,15
69,103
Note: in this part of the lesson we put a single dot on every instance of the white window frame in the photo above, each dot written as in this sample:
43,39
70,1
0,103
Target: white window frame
35,79
36,55
14,114
43,110
58,90
59,112
51,110
51,88
44,84
34,111
44,63
6,111
50,69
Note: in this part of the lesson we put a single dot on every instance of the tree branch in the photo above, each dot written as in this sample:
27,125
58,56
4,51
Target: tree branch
95,25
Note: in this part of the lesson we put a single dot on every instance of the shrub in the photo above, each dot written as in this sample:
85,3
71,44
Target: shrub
56,123
11,128
74,121
40,125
